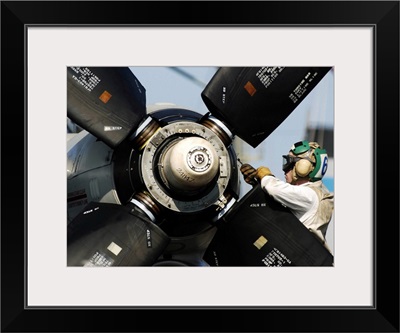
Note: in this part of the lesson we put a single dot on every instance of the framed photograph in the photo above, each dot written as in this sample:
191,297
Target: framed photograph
41,41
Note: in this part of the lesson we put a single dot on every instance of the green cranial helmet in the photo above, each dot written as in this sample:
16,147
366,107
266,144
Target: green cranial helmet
307,159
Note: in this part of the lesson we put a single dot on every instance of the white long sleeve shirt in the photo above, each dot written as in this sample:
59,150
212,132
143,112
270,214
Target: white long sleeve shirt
310,202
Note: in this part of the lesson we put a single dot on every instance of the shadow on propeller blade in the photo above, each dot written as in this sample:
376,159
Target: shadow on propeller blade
105,234
261,232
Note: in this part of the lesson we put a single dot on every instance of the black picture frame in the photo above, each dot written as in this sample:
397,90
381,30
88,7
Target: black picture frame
383,16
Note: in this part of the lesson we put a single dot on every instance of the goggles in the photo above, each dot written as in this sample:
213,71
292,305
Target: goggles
288,162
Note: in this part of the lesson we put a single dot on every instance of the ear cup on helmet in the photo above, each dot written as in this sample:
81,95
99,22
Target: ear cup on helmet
303,167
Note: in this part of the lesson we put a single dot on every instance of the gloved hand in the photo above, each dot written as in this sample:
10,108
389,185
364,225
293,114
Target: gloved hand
262,172
249,174
252,175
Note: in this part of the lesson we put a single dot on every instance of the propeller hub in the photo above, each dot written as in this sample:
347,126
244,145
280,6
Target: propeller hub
186,167
190,164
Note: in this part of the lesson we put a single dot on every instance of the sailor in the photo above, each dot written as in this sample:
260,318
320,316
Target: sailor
303,192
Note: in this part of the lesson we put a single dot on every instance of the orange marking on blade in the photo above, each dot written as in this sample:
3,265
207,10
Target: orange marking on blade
105,96
250,88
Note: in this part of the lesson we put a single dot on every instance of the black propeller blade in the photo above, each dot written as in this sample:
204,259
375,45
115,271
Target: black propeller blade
261,232
108,102
254,101
106,234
